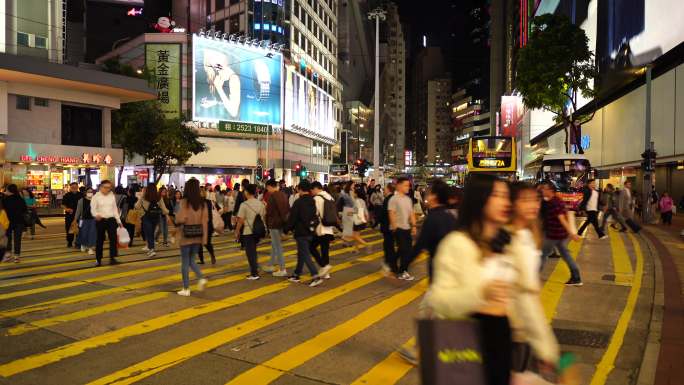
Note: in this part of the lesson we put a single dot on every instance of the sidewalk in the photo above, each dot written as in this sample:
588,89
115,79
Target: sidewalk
670,248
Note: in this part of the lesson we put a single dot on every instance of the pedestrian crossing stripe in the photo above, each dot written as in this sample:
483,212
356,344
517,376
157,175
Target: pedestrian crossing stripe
271,370
555,285
33,325
79,347
50,304
388,371
622,265
192,349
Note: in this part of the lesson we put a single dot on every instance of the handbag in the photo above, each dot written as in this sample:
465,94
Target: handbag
192,231
123,238
450,352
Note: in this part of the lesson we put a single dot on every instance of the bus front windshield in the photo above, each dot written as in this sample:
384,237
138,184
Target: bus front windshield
567,175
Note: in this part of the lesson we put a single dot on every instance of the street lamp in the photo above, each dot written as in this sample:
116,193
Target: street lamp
377,14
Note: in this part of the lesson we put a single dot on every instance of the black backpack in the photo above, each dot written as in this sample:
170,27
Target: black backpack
329,217
258,227
154,210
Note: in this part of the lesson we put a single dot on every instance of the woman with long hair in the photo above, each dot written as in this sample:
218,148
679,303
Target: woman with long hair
153,207
87,233
472,276
191,221
360,220
164,222
528,321
210,225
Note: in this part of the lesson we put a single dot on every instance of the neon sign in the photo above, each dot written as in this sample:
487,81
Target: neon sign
134,12
85,158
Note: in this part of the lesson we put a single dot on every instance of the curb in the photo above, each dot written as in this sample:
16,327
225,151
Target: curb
649,361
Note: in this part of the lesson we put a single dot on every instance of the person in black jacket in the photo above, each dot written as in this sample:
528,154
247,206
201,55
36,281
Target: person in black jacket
440,221
387,234
16,210
303,221
69,204
591,201
210,231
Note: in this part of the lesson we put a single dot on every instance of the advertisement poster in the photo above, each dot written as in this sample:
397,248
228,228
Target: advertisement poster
235,82
56,181
512,112
308,108
163,62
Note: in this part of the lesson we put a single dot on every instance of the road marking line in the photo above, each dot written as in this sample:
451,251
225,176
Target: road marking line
33,325
90,312
622,265
389,371
182,353
607,363
553,288
271,370
14,312
79,347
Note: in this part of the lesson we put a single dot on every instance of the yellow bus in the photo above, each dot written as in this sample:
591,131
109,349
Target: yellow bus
492,155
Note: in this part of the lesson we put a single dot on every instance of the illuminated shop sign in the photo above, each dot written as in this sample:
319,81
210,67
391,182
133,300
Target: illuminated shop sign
85,158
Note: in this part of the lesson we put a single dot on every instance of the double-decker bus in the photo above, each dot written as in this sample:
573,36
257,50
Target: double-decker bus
492,155
568,173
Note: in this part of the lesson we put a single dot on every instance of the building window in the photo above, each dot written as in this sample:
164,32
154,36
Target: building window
81,126
23,102
220,4
23,39
41,102
41,42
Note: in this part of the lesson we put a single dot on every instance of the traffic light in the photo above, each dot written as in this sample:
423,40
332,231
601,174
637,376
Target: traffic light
259,172
267,175
298,168
304,173
361,167
271,173
649,162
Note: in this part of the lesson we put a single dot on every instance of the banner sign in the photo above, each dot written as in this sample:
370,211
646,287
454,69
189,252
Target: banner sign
235,82
163,61
244,128
339,169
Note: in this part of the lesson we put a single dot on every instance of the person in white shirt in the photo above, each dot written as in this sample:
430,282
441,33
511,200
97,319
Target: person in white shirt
324,234
590,203
107,219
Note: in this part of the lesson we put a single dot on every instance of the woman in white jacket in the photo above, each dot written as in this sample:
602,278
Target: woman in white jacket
478,276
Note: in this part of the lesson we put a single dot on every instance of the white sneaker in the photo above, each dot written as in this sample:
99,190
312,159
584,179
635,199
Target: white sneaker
280,273
201,284
184,292
315,282
7,257
406,276
151,254
327,276
604,237
91,251
253,277
145,249
325,270
83,249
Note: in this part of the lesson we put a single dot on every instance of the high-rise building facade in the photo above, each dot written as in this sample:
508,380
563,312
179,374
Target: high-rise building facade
33,28
428,65
393,92
439,127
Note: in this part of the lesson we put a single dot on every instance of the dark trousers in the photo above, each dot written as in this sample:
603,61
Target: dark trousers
227,223
14,232
131,232
250,242
497,348
149,226
322,258
404,244
304,256
666,218
210,248
108,226
68,218
592,217
388,248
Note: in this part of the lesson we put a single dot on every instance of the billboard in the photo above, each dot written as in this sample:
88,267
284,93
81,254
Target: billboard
512,112
308,109
235,82
163,62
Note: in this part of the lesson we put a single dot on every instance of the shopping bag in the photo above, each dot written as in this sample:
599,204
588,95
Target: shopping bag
122,237
217,221
73,228
450,352
134,217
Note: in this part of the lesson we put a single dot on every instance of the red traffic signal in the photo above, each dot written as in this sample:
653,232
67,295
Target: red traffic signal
359,162
298,166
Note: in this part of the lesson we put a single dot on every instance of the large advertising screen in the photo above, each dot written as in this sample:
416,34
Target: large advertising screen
235,82
308,110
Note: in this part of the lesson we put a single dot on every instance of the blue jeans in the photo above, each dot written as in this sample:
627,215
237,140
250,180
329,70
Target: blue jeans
277,248
304,256
163,229
562,246
149,224
188,253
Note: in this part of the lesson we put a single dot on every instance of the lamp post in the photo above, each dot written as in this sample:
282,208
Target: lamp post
649,147
377,14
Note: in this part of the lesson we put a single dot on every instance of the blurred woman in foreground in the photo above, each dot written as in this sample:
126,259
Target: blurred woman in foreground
477,276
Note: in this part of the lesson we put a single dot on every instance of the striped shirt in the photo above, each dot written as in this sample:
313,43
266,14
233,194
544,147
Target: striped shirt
553,228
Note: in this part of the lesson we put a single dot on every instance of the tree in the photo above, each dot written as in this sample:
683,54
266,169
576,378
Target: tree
172,145
554,68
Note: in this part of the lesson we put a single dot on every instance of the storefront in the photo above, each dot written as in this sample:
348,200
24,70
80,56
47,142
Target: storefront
48,169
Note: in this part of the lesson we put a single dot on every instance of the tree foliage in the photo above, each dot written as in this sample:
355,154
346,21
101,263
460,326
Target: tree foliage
141,128
554,68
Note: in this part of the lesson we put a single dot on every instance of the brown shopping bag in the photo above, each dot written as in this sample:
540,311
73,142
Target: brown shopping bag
450,352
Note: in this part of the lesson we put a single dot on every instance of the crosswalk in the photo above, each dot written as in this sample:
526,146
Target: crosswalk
124,324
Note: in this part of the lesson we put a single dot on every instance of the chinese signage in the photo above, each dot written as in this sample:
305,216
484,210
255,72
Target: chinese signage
339,169
408,158
86,158
491,163
491,153
244,128
163,62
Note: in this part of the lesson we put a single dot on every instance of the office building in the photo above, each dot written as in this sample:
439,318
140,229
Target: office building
439,128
